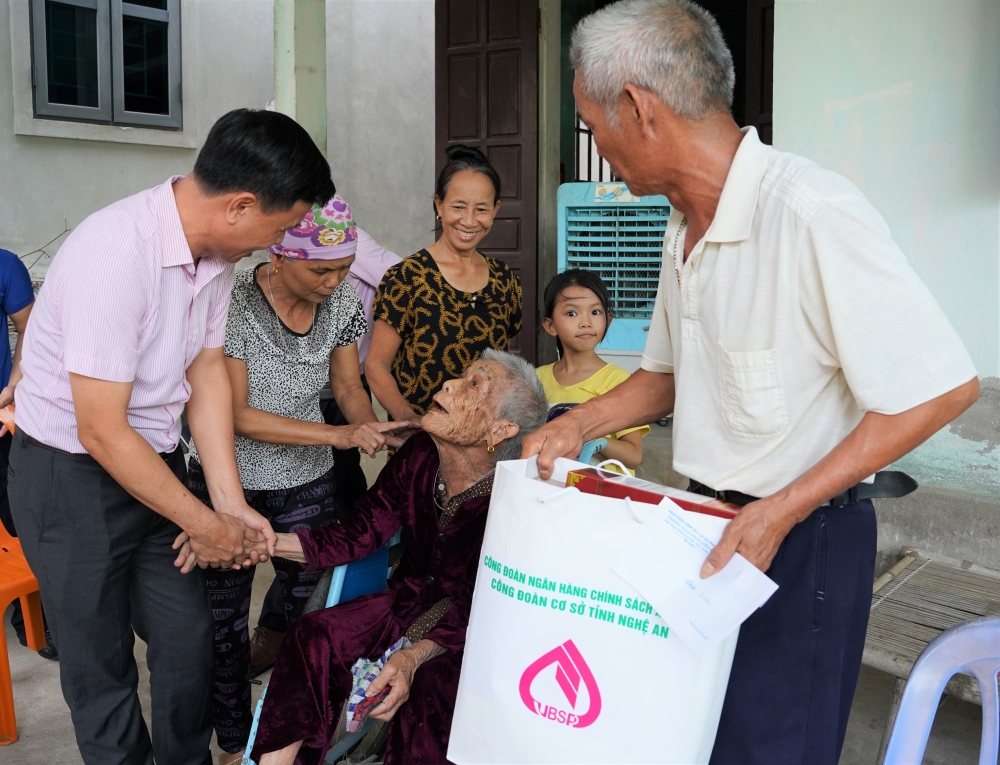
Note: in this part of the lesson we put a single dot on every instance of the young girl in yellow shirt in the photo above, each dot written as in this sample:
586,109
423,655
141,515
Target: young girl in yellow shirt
578,314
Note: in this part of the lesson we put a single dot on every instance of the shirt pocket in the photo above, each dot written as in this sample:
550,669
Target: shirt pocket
753,401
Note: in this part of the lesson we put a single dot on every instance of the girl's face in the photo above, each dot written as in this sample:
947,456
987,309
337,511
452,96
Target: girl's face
313,280
578,320
467,210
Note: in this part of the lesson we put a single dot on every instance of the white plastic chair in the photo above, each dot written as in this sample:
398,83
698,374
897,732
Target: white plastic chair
972,647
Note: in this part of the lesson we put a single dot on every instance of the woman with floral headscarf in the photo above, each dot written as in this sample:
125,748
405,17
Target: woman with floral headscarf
292,327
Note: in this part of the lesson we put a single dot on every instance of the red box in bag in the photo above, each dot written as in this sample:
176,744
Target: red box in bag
594,481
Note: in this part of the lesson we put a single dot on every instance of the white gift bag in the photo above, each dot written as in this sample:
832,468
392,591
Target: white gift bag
564,661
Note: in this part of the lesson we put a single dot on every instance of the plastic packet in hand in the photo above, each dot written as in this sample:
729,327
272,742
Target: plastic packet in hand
364,671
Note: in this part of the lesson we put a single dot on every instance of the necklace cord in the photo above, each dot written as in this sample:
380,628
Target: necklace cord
677,237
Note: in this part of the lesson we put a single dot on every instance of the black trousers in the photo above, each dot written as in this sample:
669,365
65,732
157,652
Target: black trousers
351,485
798,657
105,570
311,505
16,617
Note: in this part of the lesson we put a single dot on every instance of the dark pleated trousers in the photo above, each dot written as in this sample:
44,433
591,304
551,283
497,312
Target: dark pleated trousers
798,657
105,571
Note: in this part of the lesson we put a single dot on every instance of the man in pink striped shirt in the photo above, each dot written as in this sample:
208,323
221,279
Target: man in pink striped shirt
128,330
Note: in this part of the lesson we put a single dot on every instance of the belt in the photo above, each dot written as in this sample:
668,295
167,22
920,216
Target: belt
889,484
165,456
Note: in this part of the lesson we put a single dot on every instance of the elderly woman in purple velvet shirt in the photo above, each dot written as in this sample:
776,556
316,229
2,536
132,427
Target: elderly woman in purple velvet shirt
437,488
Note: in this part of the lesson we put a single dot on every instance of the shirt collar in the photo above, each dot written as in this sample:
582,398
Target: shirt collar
176,251
734,215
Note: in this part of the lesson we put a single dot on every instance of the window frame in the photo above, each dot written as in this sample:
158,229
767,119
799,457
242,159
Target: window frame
40,69
111,75
172,17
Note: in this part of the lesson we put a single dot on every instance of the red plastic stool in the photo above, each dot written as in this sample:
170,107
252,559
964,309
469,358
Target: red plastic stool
16,581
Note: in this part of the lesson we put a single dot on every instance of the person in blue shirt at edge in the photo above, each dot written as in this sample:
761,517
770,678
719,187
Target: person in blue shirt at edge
16,299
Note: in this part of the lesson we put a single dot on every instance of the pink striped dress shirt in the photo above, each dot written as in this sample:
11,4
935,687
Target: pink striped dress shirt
367,270
122,301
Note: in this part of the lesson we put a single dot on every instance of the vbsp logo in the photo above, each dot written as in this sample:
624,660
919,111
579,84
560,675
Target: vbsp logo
571,670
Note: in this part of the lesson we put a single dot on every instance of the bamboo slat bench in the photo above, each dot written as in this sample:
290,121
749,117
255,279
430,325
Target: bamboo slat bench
914,602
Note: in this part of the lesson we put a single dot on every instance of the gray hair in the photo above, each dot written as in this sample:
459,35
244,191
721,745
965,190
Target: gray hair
524,404
673,48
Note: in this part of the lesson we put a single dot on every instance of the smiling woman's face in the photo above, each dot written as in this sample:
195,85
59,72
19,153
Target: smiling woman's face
463,410
467,210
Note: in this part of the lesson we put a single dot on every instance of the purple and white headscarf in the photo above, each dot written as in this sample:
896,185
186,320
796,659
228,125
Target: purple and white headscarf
327,232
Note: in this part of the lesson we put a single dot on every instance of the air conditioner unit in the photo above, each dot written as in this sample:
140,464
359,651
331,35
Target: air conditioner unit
604,229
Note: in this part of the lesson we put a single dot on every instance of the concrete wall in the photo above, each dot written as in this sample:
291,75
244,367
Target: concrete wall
903,98
380,97
227,55
380,101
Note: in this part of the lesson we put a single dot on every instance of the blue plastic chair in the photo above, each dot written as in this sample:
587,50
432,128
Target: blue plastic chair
972,647
349,581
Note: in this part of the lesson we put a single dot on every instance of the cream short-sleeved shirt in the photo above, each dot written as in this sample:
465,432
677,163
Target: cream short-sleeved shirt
792,317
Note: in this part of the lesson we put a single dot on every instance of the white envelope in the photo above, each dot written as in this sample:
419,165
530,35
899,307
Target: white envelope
663,562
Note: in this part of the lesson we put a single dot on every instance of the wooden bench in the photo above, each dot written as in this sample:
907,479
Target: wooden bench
915,601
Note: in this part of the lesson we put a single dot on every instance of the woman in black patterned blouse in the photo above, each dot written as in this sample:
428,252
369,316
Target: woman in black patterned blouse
438,310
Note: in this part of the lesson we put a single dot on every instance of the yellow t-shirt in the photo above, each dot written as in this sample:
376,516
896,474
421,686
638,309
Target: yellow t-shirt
608,377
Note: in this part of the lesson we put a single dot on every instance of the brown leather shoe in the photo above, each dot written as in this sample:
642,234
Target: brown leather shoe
231,759
264,647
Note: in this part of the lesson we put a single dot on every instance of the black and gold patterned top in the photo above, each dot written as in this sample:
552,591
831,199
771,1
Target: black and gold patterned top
443,329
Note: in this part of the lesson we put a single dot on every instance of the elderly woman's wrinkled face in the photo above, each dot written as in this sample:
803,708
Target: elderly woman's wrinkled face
464,410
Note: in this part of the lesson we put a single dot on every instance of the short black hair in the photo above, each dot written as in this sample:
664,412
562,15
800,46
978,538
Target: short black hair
577,277
462,157
266,153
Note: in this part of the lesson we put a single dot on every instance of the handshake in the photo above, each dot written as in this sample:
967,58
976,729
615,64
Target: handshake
232,538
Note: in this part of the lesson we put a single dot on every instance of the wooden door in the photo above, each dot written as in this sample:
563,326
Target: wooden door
486,93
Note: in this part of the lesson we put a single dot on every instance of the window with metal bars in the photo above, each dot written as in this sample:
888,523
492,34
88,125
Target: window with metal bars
590,166
623,244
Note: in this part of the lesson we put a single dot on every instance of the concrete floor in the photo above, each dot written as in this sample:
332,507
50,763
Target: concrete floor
954,738
46,732
43,722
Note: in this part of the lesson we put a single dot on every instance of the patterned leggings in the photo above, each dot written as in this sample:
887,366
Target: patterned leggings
312,505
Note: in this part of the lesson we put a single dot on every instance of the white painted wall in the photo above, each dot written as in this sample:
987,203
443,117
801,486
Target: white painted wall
380,99
227,55
380,102
903,98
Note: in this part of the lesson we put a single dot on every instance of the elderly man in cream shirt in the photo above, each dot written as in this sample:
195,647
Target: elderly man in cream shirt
796,347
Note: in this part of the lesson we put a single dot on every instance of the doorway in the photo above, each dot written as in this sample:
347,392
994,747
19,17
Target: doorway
486,90
748,28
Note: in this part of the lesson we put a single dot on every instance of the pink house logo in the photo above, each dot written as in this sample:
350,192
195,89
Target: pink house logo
571,670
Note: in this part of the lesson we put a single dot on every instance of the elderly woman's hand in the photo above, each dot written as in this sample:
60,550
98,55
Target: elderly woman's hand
371,437
254,548
398,674
290,548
